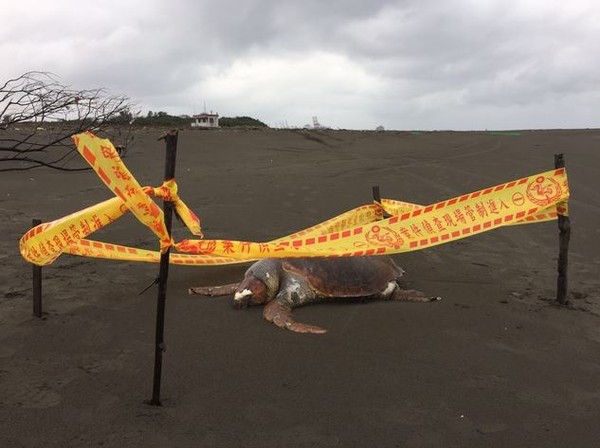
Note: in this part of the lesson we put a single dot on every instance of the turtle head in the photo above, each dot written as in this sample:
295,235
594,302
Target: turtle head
252,291
260,285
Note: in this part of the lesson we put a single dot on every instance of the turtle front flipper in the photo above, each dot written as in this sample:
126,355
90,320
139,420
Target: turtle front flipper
281,315
214,291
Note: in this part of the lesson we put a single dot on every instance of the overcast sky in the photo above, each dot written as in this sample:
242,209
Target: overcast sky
356,64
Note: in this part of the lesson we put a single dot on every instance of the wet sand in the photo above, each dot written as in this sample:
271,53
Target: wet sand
494,364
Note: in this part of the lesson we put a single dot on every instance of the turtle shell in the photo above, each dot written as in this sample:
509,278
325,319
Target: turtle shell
345,276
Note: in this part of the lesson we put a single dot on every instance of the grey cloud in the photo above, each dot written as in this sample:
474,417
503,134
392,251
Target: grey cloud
459,53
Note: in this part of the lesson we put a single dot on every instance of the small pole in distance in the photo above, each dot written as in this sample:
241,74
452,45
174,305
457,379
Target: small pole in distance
377,198
37,281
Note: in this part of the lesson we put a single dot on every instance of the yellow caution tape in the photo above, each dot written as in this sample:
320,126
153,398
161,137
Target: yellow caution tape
358,232
104,159
531,199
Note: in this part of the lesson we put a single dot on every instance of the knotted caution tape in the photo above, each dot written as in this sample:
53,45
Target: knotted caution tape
357,232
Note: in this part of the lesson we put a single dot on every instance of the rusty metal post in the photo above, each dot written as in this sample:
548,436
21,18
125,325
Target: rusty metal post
564,236
37,281
171,154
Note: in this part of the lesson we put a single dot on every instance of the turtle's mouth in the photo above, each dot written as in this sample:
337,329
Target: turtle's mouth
241,299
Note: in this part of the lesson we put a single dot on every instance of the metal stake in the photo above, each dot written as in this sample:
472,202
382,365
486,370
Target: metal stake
564,227
171,153
37,281
377,198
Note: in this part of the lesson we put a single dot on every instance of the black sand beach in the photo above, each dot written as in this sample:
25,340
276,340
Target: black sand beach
494,364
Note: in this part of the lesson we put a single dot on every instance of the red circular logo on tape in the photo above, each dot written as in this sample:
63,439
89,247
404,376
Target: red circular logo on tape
384,236
543,190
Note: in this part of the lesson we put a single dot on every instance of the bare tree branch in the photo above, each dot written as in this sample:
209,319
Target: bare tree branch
38,115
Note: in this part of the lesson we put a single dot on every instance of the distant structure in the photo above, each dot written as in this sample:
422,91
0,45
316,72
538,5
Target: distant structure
380,129
205,120
315,125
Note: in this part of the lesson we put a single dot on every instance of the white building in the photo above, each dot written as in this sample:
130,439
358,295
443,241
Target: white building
206,120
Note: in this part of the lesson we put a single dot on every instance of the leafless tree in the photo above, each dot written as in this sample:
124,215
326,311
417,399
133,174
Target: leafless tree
38,115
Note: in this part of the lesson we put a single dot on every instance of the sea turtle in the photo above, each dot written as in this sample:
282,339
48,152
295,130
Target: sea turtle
282,284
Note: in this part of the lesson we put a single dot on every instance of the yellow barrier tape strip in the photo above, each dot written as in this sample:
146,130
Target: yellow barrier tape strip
104,159
533,197
44,243
359,231
398,208
357,216
97,249
168,192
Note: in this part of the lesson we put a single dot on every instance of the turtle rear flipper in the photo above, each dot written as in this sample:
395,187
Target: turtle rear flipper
281,315
411,295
